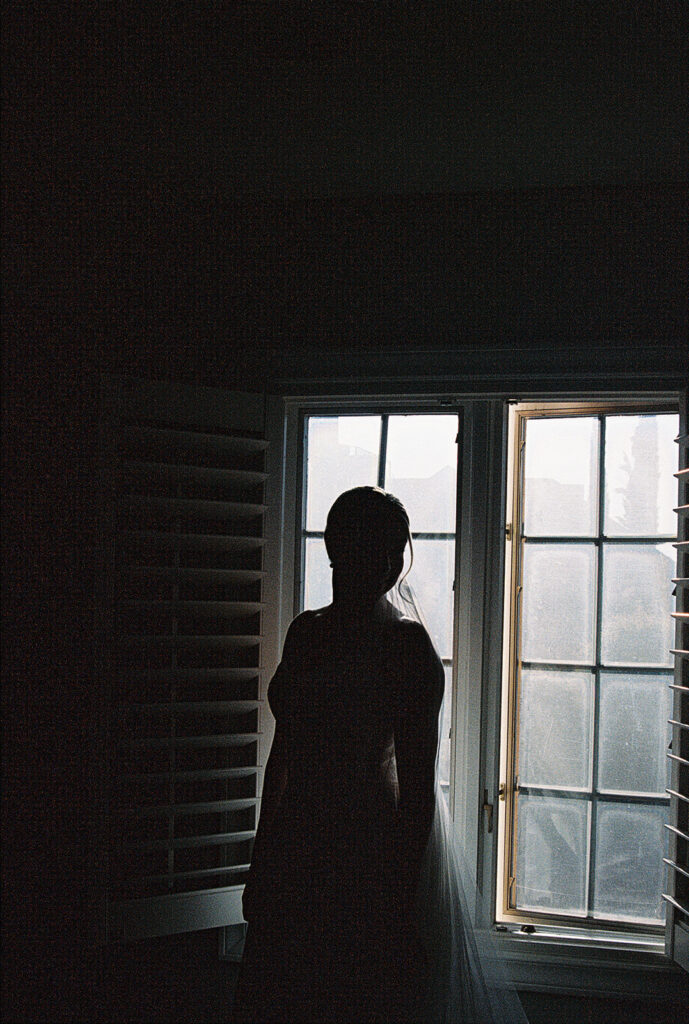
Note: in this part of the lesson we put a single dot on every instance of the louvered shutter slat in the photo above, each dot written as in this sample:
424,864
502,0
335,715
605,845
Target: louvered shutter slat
676,867
196,808
209,607
192,540
218,773
181,471
237,706
193,440
192,574
204,873
178,639
189,506
217,839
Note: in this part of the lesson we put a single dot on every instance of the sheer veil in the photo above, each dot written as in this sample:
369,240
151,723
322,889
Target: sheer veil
467,982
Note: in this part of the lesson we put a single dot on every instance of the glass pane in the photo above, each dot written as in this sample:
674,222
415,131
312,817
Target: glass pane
558,603
444,752
318,590
421,469
637,603
555,719
561,477
640,490
633,734
551,853
342,452
431,577
629,867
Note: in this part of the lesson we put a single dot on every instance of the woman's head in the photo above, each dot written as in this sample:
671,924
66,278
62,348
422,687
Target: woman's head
366,534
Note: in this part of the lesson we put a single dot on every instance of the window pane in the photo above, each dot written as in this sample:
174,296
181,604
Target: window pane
561,477
558,602
637,603
422,469
318,575
342,453
551,857
633,735
555,728
629,866
431,577
640,490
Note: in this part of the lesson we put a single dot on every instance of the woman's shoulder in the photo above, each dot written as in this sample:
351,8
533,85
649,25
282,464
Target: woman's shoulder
418,658
301,626
414,635
294,648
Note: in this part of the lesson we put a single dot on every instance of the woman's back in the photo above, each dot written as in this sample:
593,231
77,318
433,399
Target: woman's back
348,795
338,696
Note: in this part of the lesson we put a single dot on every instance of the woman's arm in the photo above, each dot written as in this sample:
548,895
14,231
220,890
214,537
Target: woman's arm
275,776
274,781
416,743
274,784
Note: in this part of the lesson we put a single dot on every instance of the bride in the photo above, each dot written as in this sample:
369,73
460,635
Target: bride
354,900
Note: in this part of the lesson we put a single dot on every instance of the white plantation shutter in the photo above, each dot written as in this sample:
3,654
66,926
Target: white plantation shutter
677,895
186,483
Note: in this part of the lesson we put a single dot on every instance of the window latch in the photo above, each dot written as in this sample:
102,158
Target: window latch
488,810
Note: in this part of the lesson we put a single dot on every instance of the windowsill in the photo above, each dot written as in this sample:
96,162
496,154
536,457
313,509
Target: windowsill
560,962
600,963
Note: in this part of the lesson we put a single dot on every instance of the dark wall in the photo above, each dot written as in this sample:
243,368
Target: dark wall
225,287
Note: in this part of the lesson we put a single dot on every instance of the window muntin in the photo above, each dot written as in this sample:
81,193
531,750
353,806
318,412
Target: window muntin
415,457
589,674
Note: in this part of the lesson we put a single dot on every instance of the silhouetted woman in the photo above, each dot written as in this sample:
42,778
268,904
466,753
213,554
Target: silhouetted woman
348,794
354,901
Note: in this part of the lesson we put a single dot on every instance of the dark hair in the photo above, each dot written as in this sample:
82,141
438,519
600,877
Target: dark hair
366,511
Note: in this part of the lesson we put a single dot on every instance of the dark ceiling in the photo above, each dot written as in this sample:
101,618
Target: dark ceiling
333,99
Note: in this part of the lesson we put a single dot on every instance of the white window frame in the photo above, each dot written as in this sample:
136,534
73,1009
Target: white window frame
556,959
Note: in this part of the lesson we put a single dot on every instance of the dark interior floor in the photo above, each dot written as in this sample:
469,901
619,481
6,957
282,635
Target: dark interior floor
181,980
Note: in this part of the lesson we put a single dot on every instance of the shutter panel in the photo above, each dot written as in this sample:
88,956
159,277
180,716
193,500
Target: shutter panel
677,896
187,484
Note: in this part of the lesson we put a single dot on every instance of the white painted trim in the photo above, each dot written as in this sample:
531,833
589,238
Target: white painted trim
593,967
179,912
494,472
466,717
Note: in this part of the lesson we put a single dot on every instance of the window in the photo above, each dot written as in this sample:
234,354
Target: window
590,666
624,543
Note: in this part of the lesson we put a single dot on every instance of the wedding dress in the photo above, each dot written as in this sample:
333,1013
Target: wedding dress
331,936
465,983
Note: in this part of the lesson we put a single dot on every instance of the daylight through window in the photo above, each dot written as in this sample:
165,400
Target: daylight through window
590,562
591,633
